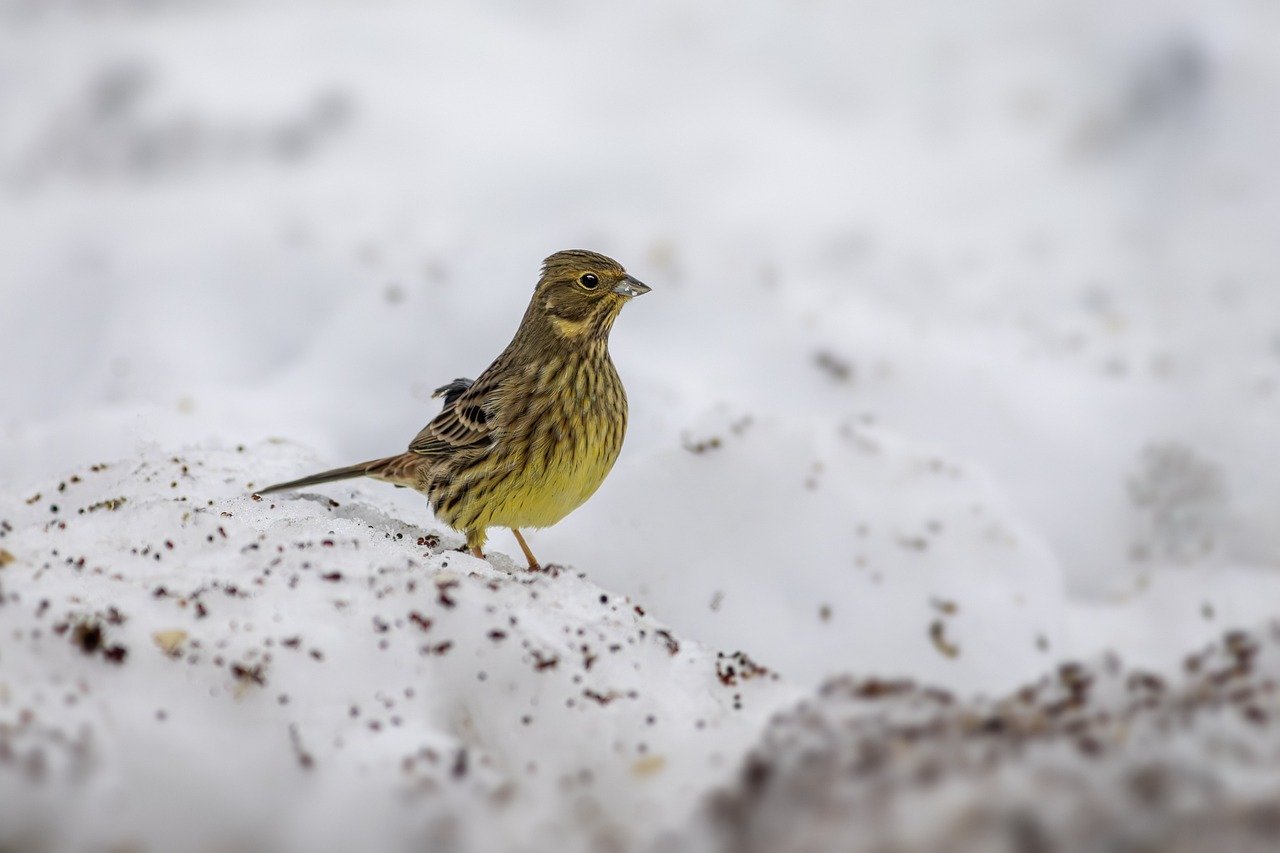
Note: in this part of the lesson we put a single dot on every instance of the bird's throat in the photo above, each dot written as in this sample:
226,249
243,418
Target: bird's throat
574,330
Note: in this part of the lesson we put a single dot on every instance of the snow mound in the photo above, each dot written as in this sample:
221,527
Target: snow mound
184,666
839,546
1099,757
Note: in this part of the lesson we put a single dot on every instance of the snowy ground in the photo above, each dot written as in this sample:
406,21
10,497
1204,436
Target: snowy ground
187,666
962,361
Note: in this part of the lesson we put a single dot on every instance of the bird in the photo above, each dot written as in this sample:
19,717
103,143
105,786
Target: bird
534,435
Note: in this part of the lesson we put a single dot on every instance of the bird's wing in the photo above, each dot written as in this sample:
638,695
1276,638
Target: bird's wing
453,390
465,421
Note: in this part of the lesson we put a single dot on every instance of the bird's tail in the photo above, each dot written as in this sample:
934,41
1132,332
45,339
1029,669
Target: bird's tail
396,469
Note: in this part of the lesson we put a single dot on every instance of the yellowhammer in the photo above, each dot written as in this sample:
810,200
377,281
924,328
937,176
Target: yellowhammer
534,437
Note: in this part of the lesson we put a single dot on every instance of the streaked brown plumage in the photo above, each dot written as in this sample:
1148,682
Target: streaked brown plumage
535,435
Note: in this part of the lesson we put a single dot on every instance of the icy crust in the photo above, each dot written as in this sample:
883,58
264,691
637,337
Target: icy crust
182,666
1101,757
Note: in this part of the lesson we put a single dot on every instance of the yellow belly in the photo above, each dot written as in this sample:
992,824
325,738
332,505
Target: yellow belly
554,482
556,440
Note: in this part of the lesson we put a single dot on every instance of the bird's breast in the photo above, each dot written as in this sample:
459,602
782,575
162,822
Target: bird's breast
571,437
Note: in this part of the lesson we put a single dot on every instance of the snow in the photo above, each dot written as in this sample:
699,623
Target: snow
1095,758
187,666
962,361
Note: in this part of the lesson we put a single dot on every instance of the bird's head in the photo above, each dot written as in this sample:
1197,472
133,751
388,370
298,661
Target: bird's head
581,293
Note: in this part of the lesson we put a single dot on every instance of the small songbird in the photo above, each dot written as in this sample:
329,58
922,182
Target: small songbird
535,435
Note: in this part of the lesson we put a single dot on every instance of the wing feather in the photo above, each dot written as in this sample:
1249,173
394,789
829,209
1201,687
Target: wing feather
465,422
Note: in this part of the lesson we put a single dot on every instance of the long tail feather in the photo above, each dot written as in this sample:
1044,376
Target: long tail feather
360,469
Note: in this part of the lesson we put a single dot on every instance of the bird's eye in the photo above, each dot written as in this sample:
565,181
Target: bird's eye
589,281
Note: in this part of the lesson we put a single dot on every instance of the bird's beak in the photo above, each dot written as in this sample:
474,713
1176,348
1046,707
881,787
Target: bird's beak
631,287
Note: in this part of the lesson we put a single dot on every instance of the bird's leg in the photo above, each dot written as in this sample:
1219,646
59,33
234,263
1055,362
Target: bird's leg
475,542
528,555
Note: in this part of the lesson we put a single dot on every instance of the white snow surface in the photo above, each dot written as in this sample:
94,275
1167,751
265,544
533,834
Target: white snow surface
962,360
186,667
1101,757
